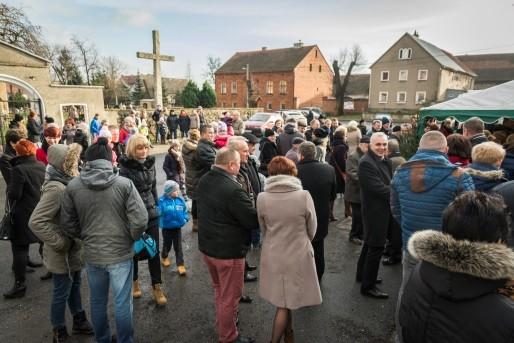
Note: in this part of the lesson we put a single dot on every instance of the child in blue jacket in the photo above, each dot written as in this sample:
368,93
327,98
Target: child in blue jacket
173,215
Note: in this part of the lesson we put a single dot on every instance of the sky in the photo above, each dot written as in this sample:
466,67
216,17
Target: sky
191,30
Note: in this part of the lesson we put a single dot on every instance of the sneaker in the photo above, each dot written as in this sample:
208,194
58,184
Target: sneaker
158,295
136,290
182,270
166,262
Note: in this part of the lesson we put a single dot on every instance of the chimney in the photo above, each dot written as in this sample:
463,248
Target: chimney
264,48
298,44
416,34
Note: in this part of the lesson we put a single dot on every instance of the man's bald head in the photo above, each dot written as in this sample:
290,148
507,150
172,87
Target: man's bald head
433,140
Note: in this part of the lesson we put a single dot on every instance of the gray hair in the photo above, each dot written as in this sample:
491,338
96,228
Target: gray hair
474,125
225,155
376,136
235,142
393,146
433,140
308,151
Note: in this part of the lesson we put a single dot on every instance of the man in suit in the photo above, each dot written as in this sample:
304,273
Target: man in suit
375,174
320,180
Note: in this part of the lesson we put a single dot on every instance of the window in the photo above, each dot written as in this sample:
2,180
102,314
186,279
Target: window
320,68
310,67
382,97
282,106
283,87
270,107
316,53
269,87
223,105
422,75
223,88
403,75
234,105
421,97
401,97
384,75
234,87
405,54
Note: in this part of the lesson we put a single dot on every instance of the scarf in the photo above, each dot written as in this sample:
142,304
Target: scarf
54,174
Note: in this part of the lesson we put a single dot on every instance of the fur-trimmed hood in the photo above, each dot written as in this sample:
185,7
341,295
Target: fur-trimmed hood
493,174
189,146
490,261
71,161
282,184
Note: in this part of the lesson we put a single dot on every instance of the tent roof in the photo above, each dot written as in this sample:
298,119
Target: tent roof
488,104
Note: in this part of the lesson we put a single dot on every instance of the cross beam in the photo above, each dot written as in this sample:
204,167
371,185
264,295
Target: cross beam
157,58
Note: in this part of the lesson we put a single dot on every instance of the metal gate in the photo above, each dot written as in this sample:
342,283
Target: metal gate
5,118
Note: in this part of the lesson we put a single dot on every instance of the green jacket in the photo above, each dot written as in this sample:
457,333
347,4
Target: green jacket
60,253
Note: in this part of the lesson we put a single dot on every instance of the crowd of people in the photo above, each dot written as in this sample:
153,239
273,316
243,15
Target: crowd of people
442,214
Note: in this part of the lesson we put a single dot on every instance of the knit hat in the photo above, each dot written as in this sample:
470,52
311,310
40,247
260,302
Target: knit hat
365,139
24,147
222,127
250,138
268,133
170,186
397,128
104,132
99,151
65,157
297,140
385,120
302,123
18,117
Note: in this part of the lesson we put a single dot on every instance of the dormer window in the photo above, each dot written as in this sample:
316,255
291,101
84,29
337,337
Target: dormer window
405,54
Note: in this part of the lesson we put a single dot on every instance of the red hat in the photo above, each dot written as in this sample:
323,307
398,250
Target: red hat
25,147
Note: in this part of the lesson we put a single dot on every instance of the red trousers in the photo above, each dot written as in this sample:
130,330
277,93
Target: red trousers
227,280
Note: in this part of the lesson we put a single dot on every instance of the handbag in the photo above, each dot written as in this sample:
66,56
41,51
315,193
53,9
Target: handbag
7,225
145,247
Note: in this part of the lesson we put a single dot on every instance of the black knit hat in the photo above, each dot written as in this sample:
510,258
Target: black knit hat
320,133
268,133
99,151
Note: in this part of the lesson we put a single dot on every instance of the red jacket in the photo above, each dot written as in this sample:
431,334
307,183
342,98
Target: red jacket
41,156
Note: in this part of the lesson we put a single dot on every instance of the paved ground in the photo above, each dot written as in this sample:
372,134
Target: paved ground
344,316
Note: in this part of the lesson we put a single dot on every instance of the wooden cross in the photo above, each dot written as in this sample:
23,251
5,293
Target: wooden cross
157,58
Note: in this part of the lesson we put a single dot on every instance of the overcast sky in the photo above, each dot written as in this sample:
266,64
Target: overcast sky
193,29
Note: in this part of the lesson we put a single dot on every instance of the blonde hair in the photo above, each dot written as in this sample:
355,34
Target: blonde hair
488,152
133,142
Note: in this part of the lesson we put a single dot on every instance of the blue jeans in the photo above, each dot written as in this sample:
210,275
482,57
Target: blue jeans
119,276
66,290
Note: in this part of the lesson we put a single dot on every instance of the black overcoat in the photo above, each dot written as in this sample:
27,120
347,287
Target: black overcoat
375,179
24,191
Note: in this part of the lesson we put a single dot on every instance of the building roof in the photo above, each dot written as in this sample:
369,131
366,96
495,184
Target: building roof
490,67
444,58
172,85
358,85
265,60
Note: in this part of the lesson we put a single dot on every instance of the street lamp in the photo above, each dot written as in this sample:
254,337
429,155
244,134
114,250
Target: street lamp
248,84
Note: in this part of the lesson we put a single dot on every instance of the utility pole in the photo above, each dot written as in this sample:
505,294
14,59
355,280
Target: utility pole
248,85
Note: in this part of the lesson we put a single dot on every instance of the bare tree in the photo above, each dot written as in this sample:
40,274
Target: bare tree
110,70
64,66
88,56
346,62
213,64
17,29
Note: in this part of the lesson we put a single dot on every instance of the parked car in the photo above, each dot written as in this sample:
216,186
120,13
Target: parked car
296,114
261,121
316,110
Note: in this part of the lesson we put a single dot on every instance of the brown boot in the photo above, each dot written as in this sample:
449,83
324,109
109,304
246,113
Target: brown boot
136,290
158,295
347,209
289,336
195,225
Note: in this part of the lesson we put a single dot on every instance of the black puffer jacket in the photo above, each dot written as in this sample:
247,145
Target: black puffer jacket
24,191
452,294
203,161
188,154
143,176
268,151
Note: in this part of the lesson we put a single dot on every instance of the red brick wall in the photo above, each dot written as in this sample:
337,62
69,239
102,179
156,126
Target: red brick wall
312,85
259,81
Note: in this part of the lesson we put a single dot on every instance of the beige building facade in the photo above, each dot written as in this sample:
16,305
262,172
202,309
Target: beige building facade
414,73
30,75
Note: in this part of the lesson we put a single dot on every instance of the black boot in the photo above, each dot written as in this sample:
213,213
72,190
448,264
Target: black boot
18,291
61,335
81,325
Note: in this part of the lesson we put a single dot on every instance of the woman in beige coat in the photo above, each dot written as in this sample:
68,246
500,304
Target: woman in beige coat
287,218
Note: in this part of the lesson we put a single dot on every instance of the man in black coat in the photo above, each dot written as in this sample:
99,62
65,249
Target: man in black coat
285,139
203,160
268,148
320,180
226,217
172,123
375,174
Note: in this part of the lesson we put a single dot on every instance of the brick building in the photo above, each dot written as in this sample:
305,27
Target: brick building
275,78
491,69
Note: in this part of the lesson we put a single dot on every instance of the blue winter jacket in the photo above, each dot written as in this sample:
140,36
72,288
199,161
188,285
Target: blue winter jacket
173,213
485,176
422,188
